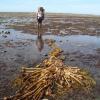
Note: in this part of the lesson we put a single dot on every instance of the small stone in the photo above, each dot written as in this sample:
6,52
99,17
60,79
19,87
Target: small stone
8,32
60,41
2,31
72,60
45,55
3,51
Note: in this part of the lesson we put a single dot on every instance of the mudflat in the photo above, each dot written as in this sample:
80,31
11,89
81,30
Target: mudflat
77,35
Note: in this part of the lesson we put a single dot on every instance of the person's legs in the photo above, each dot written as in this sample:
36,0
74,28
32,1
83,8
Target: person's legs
40,23
39,20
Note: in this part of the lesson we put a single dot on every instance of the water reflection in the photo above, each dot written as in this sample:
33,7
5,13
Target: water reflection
39,41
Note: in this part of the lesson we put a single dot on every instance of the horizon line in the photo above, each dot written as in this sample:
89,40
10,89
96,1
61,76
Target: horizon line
49,12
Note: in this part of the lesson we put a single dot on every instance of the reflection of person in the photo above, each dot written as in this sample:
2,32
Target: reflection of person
39,43
40,16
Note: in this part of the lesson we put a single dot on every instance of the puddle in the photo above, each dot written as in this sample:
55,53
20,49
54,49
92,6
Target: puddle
71,43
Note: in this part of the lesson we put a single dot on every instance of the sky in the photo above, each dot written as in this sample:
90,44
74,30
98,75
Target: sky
59,6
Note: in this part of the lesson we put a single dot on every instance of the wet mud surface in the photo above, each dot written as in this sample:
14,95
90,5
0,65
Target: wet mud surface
22,47
59,24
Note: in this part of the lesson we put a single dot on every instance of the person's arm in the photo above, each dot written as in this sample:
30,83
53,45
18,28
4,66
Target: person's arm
37,15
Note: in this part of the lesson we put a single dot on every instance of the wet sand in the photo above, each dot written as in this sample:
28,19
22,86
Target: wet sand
64,24
19,46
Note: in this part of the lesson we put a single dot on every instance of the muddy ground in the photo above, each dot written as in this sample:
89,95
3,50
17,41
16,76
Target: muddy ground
60,24
77,35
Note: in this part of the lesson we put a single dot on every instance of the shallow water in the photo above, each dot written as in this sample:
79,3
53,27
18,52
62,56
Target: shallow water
70,43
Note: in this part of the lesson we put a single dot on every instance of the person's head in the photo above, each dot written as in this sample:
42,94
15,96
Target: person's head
41,9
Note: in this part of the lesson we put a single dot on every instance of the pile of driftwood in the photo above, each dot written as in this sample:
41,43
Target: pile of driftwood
51,77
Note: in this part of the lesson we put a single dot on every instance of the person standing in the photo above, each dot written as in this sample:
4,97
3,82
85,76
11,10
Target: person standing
40,16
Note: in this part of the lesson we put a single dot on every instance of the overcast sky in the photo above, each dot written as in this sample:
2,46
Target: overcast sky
64,6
